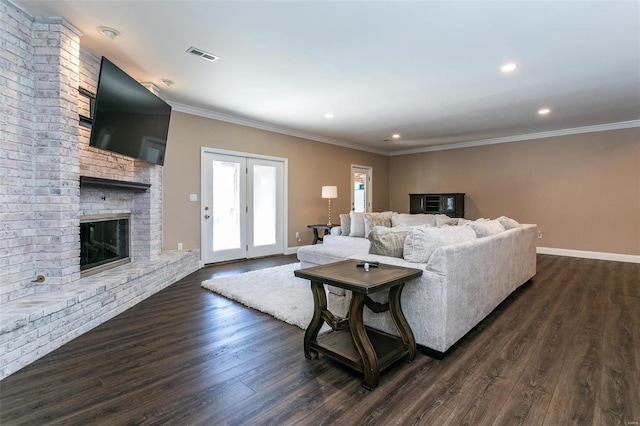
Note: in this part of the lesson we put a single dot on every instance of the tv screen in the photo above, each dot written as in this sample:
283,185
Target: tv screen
128,118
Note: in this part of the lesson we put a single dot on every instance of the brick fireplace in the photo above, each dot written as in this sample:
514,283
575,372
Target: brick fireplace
104,242
44,153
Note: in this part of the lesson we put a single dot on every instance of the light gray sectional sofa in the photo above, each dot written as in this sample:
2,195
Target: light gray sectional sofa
462,282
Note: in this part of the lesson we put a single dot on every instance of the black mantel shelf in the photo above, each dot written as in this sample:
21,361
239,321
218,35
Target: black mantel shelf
94,182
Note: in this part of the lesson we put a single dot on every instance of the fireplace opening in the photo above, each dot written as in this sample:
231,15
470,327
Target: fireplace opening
104,242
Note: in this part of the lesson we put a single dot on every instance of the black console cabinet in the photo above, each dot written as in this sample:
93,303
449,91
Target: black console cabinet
450,204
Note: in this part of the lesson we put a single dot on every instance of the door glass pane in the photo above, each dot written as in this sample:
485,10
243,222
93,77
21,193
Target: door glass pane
226,205
264,205
359,192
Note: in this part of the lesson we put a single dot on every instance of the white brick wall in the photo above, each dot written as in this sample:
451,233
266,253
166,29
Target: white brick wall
43,151
95,162
146,207
55,161
17,236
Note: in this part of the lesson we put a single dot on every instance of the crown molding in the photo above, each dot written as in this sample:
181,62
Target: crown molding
525,137
228,118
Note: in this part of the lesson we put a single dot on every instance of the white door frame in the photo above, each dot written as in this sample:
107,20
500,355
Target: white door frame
285,195
368,187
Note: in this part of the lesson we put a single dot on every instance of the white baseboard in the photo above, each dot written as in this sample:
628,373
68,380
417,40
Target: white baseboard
615,257
291,250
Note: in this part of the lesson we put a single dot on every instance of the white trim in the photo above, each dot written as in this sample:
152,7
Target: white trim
368,170
200,112
241,154
285,201
292,250
526,137
615,257
285,198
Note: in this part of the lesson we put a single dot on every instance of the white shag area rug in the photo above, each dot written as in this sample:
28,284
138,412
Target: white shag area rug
274,291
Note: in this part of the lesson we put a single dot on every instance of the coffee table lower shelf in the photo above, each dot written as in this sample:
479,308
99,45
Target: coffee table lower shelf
339,346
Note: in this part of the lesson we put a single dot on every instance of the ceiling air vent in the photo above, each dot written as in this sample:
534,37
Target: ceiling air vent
201,53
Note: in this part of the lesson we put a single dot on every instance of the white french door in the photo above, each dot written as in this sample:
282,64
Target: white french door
243,204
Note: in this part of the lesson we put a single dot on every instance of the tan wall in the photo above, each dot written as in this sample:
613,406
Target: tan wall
583,191
311,165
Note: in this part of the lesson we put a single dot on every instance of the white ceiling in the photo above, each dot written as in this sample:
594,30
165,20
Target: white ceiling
428,70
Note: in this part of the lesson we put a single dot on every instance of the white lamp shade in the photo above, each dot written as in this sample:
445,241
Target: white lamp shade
329,192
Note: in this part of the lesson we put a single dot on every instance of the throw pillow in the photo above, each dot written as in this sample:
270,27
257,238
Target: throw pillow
376,219
357,224
421,242
400,219
345,224
442,219
407,227
387,241
507,222
484,229
452,221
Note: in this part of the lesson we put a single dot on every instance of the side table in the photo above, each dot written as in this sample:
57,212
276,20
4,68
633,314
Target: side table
351,343
326,229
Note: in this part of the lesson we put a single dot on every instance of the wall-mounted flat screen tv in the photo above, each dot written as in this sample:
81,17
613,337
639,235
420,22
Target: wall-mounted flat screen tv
128,119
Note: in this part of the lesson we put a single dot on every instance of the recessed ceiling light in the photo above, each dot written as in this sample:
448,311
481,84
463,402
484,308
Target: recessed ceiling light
328,115
510,67
108,32
168,82
395,136
544,111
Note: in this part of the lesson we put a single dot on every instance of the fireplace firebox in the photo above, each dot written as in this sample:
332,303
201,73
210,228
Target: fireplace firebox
104,242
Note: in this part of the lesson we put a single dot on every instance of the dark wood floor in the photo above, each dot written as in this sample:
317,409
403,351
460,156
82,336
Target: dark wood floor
564,349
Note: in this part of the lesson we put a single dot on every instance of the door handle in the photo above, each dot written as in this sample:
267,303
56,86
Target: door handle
206,216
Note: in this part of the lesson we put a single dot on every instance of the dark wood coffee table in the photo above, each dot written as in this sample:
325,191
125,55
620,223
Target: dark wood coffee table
362,348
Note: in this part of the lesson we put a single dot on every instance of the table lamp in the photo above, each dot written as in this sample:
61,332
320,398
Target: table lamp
329,192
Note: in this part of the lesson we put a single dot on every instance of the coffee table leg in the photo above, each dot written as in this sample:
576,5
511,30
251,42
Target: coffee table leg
319,304
362,342
400,321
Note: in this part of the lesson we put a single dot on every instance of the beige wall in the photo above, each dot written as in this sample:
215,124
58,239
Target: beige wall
311,165
583,191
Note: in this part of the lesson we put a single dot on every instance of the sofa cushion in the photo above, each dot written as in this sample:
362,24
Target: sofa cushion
451,221
421,242
507,222
443,219
357,224
485,228
359,244
334,248
405,219
340,249
345,224
388,241
376,219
